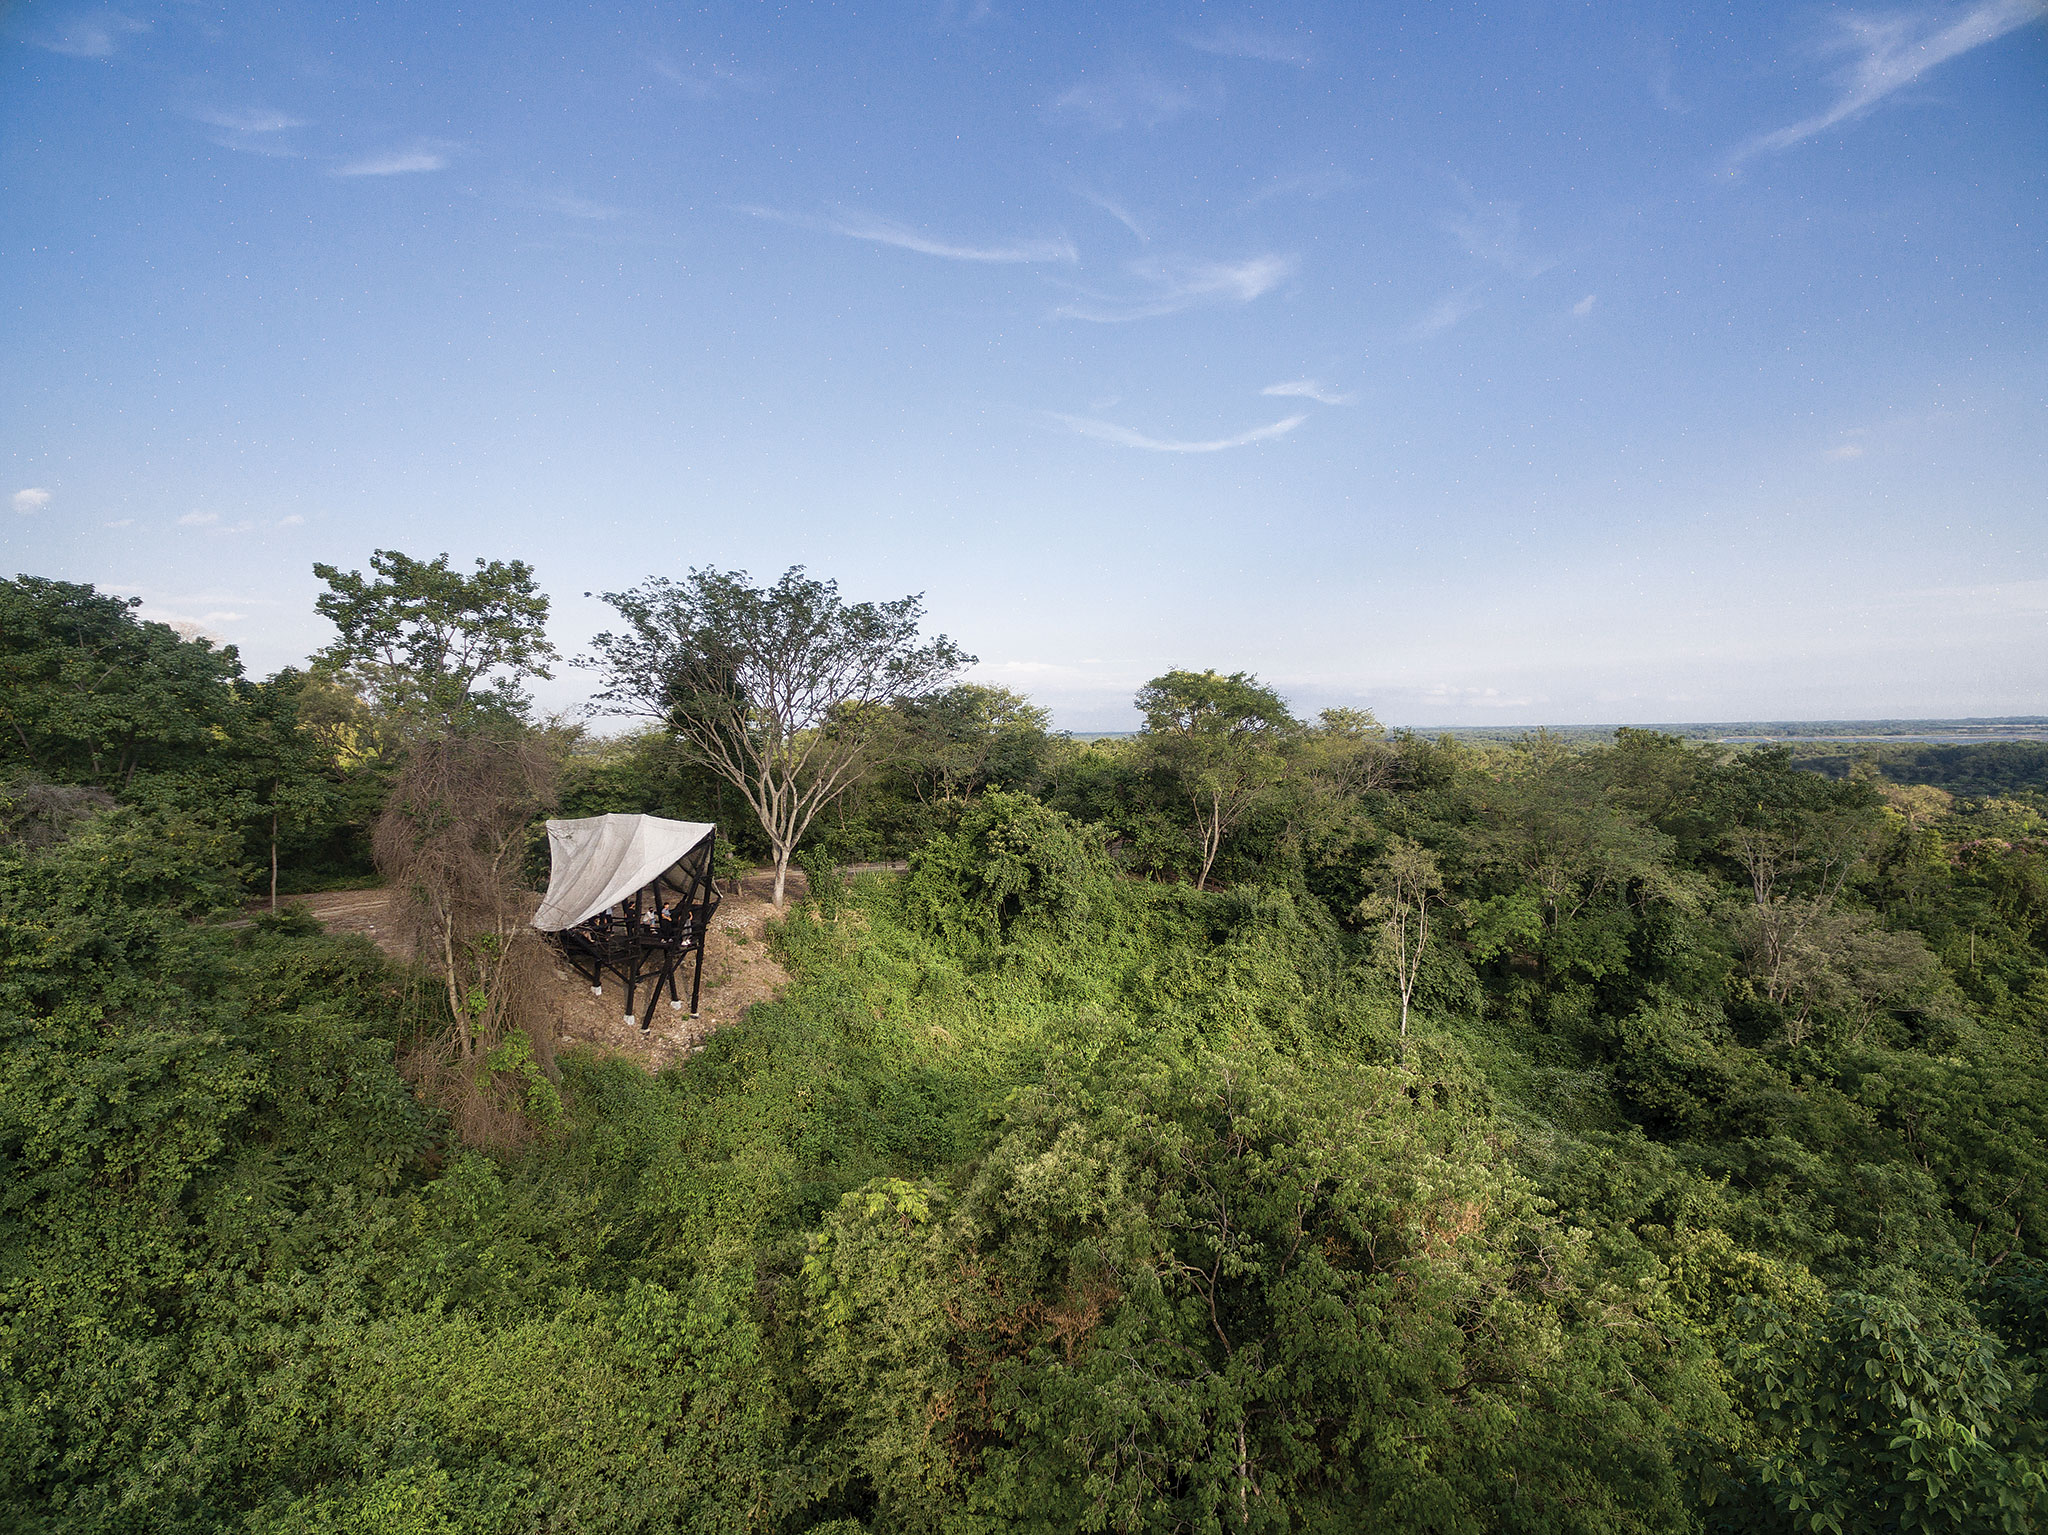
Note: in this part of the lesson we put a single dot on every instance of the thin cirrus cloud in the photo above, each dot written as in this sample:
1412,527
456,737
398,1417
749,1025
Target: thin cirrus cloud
1306,389
1891,51
708,81
97,35
1307,184
1168,285
884,231
1446,312
567,204
30,501
415,160
253,130
1117,101
1242,43
1125,437
1114,209
1492,232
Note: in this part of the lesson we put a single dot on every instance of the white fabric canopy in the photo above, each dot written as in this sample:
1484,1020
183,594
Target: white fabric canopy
599,860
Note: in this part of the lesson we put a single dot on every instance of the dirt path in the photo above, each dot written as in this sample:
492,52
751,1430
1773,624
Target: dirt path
738,972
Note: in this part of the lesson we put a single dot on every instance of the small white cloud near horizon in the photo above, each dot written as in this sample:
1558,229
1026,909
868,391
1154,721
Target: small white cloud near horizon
1176,283
1243,43
1307,389
122,522
293,521
1585,305
199,519
1891,51
1123,436
883,231
30,501
94,36
420,158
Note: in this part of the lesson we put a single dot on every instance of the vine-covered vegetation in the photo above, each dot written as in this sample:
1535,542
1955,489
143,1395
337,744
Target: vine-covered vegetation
1699,1184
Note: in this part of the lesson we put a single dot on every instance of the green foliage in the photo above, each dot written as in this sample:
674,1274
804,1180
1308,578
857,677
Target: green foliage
432,646
90,695
1707,1190
1014,867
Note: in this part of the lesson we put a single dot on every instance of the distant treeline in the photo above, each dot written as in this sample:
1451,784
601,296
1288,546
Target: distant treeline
1992,769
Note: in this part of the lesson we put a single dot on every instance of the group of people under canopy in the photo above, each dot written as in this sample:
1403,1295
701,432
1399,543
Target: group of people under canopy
631,896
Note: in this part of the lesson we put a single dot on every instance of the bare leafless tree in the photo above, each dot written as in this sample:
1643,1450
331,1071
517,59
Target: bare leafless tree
452,841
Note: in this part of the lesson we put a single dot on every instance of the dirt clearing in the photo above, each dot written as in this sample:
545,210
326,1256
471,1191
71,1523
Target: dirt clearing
738,972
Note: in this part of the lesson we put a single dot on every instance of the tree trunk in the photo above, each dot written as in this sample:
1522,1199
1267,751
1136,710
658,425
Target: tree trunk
273,863
781,874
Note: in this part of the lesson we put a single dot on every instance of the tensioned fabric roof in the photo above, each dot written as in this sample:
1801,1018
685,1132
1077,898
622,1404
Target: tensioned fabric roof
599,860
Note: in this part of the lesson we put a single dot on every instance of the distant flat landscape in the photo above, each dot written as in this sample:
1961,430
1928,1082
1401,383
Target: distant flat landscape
1956,732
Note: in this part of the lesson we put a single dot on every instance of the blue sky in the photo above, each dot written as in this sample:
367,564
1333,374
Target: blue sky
1534,363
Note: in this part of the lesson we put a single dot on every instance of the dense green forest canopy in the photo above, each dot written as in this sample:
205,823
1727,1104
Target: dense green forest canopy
1253,1123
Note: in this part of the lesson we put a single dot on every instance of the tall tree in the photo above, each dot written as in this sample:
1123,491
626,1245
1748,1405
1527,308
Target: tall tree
432,646
1403,887
1218,739
955,743
89,693
780,690
286,773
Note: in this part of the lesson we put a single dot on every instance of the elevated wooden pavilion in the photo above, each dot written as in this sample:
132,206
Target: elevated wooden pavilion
631,896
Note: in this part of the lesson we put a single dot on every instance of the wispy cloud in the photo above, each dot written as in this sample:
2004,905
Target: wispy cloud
252,130
97,35
1242,43
293,521
186,626
210,522
567,204
956,15
251,120
1119,100
1123,436
121,522
1307,389
30,501
1890,51
1308,184
420,157
1114,209
1171,284
883,231
1446,312
1585,305
708,81
1492,232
